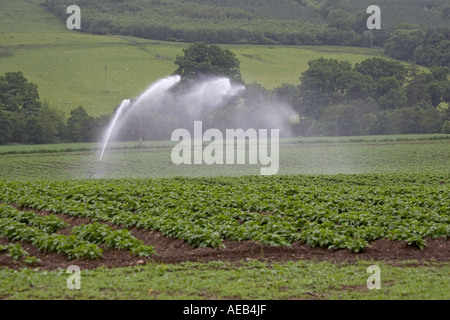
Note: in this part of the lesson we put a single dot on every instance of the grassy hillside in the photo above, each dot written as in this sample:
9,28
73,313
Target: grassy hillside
233,21
393,12
68,66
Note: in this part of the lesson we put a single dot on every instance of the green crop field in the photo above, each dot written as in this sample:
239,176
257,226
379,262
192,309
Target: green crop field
141,227
350,155
69,66
334,212
400,195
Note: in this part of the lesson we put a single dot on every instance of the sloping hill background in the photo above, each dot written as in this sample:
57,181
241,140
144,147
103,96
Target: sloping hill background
69,66
301,22
427,12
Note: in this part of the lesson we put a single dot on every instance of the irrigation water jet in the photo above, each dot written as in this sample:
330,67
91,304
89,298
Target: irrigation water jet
216,101
158,88
125,103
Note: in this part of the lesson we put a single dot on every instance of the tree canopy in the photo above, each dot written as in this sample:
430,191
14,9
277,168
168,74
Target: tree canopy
200,59
19,95
390,84
378,68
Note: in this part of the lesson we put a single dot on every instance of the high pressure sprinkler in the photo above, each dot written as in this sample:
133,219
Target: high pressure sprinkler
100,170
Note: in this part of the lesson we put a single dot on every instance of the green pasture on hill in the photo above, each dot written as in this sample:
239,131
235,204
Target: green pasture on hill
69,66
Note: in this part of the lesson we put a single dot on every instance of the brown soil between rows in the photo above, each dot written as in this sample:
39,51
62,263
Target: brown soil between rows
171,251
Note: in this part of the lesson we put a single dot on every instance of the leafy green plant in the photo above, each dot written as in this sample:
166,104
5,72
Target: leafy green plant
32,260
336,212
48,224
16,251
71,246
119,239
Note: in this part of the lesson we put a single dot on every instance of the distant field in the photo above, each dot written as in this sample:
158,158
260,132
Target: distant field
73,147
350,155
69,67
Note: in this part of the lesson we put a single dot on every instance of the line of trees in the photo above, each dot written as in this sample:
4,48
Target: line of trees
24,119
376,96
426,47
238,22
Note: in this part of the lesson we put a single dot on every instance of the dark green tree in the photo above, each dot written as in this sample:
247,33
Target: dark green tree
200,59
446,93
5,129
361,87
378,68
439,85
52,124
340,20
290,94
446,127
445,11
19,95
403,43
386,84
329,5
325,82
79,126
394,99
359,21
440,73
33,131
17,127
331,77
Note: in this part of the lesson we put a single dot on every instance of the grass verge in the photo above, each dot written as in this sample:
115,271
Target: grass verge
250,280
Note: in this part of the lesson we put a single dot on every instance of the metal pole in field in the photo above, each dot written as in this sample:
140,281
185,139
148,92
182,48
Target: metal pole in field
140,127
106,70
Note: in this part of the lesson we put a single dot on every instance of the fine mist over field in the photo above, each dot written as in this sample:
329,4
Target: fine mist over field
171,103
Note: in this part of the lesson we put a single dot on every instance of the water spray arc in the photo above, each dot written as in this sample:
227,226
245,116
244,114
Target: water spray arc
125,103
159,88
216,100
